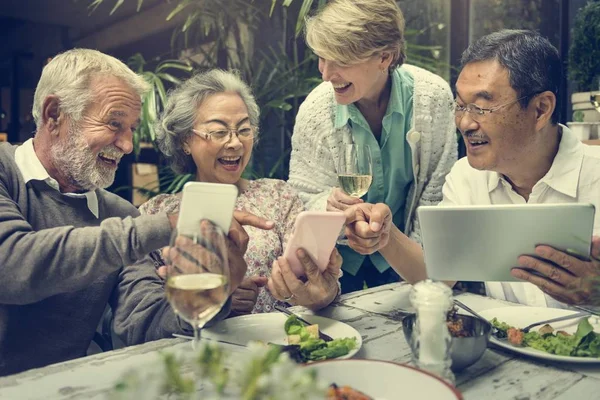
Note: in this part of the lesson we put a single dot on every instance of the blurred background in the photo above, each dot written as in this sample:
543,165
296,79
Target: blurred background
167,40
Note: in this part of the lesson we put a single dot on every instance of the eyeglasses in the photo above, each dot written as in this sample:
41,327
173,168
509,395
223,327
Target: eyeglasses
479,113
222,136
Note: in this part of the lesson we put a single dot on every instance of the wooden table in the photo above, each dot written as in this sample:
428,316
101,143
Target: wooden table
376,314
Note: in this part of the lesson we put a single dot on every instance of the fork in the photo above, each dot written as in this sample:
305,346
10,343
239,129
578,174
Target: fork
593,312
286,311
527,328
565,318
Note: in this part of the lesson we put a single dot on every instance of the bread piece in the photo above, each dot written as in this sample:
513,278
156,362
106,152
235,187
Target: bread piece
293,339
545,329
313,331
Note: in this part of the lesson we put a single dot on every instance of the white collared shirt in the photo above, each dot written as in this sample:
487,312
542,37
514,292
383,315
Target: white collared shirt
574,177
31,168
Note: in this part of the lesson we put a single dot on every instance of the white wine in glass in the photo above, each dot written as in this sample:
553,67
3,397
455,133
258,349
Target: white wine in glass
355,170
198,275
355,185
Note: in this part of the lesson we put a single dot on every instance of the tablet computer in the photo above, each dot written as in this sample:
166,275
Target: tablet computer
482,243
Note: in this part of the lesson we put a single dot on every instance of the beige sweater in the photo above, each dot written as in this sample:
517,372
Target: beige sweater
432,139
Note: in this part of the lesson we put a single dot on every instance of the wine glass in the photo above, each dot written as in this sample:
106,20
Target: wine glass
595,96
355,169
197,274
355,172
595,100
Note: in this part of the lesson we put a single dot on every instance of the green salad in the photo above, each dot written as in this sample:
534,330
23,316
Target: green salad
305,344
584,343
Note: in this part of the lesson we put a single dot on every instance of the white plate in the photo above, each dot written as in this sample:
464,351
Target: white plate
385,380
268,328
521,316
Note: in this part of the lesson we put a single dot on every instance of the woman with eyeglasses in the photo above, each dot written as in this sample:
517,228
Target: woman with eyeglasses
208,128
371,97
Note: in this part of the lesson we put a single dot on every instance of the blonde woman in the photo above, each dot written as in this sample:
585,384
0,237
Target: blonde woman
369,96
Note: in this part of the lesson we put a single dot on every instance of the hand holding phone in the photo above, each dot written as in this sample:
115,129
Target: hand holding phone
316,232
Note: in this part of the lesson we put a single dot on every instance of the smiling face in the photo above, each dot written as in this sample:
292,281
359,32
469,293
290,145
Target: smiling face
89,150
220,162
355,82
501,140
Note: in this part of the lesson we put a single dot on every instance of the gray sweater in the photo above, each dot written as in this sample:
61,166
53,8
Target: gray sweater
59,266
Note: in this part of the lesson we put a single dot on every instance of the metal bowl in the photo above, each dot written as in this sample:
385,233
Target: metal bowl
464,351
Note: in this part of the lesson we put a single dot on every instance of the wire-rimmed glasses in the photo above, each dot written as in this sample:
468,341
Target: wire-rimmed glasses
479,113
245,133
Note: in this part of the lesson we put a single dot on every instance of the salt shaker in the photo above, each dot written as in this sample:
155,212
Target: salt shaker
431,338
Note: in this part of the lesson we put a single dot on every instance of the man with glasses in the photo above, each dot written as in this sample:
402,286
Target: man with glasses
507,97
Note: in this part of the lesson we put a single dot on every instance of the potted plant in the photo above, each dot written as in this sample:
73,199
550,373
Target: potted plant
584,60
581,129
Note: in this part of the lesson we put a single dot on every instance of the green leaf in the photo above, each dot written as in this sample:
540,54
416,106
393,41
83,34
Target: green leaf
304,10
160,90
583,329
137,62
292,326
280,104
178,182
190,20
174,64
177,9
117,5
152,112
94,5
279,163
168,77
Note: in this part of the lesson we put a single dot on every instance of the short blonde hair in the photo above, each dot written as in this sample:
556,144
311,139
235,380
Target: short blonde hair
351,31
68,77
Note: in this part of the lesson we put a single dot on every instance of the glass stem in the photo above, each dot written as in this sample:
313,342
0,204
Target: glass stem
196,341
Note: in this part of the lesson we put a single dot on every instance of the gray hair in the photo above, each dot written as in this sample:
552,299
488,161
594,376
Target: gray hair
532,62
174,128
68,76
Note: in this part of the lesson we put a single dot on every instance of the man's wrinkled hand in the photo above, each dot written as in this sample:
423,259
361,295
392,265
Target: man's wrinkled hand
562,276
368,227
244,297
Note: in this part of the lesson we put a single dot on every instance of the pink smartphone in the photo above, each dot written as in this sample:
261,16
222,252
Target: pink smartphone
316,232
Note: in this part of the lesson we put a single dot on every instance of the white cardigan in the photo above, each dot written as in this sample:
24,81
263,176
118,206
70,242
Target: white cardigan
432,139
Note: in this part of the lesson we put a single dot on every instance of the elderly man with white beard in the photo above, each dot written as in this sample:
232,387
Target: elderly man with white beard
68,247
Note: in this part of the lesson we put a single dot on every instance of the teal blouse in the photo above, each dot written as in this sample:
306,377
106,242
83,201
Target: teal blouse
391,156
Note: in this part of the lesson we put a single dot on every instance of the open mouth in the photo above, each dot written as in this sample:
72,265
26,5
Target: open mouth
476,143
341,87
111,161
230,163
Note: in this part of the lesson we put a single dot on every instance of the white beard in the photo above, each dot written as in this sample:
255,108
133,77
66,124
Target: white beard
74,158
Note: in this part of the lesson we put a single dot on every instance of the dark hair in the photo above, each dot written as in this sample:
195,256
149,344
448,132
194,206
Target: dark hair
532,62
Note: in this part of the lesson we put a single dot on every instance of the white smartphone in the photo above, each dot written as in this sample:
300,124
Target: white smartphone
316,232
212,201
